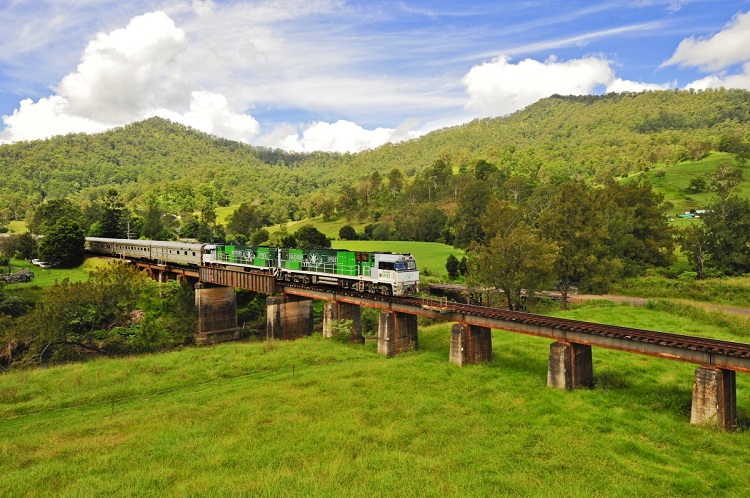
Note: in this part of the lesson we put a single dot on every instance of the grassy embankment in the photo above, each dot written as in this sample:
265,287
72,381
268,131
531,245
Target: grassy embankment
321,418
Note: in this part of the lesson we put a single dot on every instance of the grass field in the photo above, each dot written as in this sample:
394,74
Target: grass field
321,418
673,182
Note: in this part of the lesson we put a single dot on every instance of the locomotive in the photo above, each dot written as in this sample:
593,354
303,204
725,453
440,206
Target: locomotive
372,272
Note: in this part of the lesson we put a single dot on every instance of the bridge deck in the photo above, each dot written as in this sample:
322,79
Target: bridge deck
706,352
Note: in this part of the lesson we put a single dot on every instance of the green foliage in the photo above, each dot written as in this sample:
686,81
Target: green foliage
422,222
46,215
245,220
726,234
697,184
63,244
118,310
341,330
517,259
347,232
260,236
310,237
451,265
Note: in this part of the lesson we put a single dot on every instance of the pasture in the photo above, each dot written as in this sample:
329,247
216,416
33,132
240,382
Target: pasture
316,417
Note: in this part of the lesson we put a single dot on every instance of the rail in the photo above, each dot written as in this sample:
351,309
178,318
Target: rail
704,351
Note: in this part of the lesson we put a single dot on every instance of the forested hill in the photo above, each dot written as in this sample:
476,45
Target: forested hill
590,138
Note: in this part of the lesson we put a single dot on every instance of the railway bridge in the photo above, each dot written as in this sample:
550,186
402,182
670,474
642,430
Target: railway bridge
570,357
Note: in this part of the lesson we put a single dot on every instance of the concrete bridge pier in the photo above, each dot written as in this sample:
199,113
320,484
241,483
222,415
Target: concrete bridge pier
334,311
470,344
217,313
570,366
289,317
714,398
397,333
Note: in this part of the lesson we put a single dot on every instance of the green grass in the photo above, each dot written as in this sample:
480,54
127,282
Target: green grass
321,418
673,181
44,277
17,226
730,291
329,228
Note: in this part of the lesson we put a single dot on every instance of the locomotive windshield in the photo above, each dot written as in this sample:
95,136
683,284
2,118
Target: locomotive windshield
405,265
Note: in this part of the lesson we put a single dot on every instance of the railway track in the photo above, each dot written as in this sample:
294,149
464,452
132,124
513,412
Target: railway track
635,337
691,343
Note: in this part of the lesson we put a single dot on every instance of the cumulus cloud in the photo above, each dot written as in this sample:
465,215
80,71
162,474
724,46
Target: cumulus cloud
337,137
499,87
723,80
725,48
210,113
126,71
619,85
46,117
127,75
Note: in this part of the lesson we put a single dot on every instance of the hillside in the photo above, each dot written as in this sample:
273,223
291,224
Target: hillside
592,138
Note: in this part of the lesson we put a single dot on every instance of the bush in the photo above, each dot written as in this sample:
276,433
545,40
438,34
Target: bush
452,266
347,232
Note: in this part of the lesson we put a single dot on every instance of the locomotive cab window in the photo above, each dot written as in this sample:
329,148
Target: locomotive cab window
386,265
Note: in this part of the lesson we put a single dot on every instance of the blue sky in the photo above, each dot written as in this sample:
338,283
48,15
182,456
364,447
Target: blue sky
345,75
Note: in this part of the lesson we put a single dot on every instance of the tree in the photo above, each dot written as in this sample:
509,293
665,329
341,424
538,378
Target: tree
472,204
575,225
650,240
63,244
347,232
246,219
463,266
153,220
348,200
52,210
726,237
395,182
423,222
111,217
74,315
259,236
697,184
517,259
9,245
27,246
310,237
724,180
452,266
691,240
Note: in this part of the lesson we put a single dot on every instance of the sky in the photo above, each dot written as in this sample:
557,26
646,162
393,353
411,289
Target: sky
339,75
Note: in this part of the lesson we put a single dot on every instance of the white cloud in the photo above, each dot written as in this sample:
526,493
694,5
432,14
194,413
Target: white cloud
210,113
47,117
126,71
203,7
619,85
729,46
498,87
340,136
127,75
722,80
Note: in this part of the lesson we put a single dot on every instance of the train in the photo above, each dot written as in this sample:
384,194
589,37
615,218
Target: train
367,272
